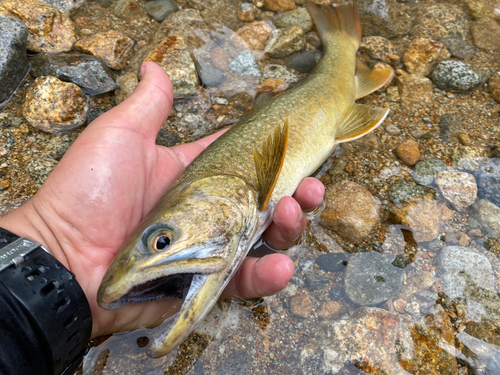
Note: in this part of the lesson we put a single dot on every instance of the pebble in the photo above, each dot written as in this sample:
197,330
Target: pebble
273,85
350,211
402,191
86,71
279,5
449,126
128,9
49,29
392,129
483,8
55,106
13,59
467,157
313,40
415,91
255,34
386,18
301,306
285,42
423,55
248,12
393,95
66,6
486,34
371,278
488,180
332,262
441,21
209,76
245,64
378,48
425,170
485,216
330,310
408,152
464,139
279,72
399,305
112,47
459,47
316,280
458,188
455,76
171,55
218,14
126,86
299,17
494,86
159,9
422,215
304,62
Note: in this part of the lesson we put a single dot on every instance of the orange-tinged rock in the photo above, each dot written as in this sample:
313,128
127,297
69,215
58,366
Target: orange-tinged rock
220,59
255,34
126,86
112,47
301,306
273,85
49,29
330,310
423,55
415,91
408,152
280,5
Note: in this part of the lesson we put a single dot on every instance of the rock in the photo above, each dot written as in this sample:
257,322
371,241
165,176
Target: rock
486,34
402,191
464,139
378,48
350,211
106,3
301,306
112,47
128,9
49,29
488,180
316,280
86,71
299,17
421,215
248,12
159,9
332,262
55,106
415,91
273,85
209,76
441,21
175,60
392,129
65,6
423,55
449,126
279,5
408,152
459,47
218,13
494,86
330,310
492,245
386,18
220,59
313,40
425,170
455,76
483,8
485,216
467,157
279,72
286,42
255,34
304,62
126,86
245,65
458,188
14,64
393,96
57,146
371,278
94,113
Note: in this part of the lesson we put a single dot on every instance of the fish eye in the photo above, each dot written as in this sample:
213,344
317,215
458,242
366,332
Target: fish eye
159,239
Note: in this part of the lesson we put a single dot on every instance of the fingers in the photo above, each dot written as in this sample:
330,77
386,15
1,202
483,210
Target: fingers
147,108
309,193
260,277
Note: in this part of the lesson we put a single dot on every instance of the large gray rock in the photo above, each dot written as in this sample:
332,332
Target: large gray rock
485,215
13,59
66,6
456,76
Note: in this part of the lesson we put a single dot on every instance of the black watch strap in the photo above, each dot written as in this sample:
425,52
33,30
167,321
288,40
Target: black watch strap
50,293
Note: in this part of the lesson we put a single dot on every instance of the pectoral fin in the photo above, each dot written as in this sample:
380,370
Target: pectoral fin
268,163
358,120
367,80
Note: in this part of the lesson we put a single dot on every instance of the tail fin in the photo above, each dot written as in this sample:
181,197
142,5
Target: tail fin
340,18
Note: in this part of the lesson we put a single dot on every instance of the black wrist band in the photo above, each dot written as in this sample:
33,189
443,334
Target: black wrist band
52,296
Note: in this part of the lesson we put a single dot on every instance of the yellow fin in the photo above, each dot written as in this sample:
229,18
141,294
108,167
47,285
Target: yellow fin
367,80
268,164
358,120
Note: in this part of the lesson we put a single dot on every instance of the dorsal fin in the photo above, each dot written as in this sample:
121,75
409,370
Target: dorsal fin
367,80
268,164
358,120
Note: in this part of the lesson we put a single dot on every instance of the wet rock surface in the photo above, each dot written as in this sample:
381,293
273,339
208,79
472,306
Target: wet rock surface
159,9
459,188
402,191
488,180
286,42
414,91
441,21
485,216
426,169
408,152
455,76
386,18
423,55
65,6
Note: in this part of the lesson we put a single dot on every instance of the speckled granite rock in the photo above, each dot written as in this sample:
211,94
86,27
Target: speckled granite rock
441,21
49,29
379,48
126,86
280,72
86,71
414,91
279,5
458,188
386,18
112,47
486,34
402,191
55,106
425,170
13,60
483,8
299,17
467,157
245,64
455,76
255,34
485,215
159,9
423,55
66,6
459,47
286,42
488,180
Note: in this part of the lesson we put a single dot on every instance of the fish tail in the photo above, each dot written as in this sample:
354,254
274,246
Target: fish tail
341,18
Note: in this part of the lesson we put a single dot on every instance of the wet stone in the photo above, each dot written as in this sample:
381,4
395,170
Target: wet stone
408,152
13,60
86,71
49,29
171,55
485,216
65,6
332,262
106,3
441,21
402,191
488,180
423,55
94,113
483,8
218,13
220,59
279,72
458,188
128,9
126,86
386,18
350,211
112,47
279,5
371,278
55,106
467,157
425,170
455,76
486,34
159,9
316,280
378,48
494,86
299,17
209,76
301,306
245,64
459,47
415,91
313,41
392,129
330,310
255,34
449,126
285,42
248,12
304,62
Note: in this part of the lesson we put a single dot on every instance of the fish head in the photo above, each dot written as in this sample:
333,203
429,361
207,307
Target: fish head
187,247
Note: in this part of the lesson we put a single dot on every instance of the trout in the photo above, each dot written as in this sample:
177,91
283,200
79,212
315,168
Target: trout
195,238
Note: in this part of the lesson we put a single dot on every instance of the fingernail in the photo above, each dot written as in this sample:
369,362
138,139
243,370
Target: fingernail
143,70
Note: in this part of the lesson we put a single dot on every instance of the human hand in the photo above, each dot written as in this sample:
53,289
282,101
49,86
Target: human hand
111,177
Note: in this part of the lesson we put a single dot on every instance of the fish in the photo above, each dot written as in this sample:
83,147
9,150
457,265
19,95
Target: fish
198,234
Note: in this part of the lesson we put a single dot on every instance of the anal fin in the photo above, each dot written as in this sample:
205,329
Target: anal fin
367,80
268,164
358,120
